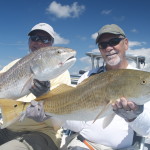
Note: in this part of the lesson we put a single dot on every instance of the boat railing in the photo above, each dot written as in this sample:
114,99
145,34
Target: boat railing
96,57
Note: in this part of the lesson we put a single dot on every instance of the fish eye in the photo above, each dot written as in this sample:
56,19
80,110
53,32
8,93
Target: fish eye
15,105
143,82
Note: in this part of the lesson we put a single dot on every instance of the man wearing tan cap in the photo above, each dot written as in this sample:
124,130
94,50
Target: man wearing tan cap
29,134
112,44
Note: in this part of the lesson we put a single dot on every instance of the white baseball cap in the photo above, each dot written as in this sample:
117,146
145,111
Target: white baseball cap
44,27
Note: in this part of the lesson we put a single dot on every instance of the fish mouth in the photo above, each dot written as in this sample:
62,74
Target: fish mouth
70,60
72,57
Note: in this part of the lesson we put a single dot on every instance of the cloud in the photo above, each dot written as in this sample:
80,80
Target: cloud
94,36
134,31
82,38
106,12
141,51
121,18
95,50
84,59
65,11
60,40
135,43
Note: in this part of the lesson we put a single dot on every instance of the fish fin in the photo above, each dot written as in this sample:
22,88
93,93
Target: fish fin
58,90
103,110
108,119
35,68
28,83
11,111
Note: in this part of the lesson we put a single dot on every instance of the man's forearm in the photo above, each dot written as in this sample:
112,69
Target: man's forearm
141,124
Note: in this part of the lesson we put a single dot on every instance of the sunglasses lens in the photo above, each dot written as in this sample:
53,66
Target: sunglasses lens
34,38
115,41
111,42
43,39
103,45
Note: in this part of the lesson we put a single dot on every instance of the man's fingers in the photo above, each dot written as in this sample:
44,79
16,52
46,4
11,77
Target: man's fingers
35,91
132,106
114,106
118,103
39,87
124,103
34,103
38,84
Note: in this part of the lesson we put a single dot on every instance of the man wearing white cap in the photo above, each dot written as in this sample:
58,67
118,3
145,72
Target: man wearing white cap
29,134
41,35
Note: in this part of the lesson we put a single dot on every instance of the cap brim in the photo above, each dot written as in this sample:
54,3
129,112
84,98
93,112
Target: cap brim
37,30
98,37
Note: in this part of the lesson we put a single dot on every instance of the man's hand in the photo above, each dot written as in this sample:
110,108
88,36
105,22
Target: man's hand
127,109
40,87
35,111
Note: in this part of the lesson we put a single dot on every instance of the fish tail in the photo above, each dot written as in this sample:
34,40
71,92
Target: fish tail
11,111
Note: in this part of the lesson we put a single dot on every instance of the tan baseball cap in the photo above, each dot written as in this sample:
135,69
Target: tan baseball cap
112,28
44,27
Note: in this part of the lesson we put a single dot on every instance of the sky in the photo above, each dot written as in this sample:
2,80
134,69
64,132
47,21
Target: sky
76,23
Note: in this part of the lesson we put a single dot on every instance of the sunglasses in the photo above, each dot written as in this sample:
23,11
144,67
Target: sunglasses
111,42
43,39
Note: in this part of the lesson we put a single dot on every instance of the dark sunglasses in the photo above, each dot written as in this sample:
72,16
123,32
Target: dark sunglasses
43,39
111,42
